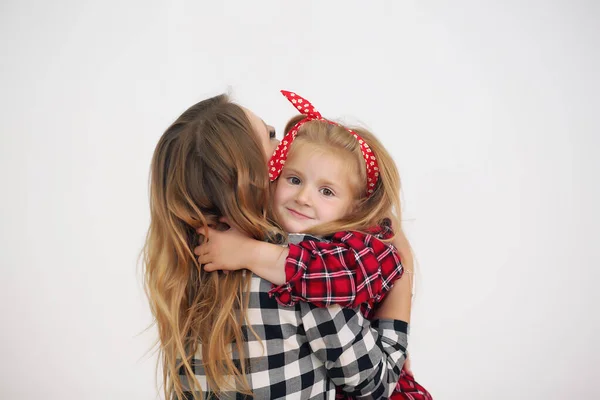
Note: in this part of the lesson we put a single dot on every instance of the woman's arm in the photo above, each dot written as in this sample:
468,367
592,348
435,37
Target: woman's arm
398,302
363,358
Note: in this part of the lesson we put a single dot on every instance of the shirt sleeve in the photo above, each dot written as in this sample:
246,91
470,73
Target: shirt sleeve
364,359
351,269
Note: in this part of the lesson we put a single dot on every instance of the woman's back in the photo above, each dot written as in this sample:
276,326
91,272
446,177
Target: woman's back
305,351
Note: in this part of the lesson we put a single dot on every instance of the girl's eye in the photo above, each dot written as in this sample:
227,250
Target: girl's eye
327,192
272,133
294,180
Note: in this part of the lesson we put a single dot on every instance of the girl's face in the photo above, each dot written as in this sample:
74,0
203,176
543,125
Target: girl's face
264,133
315,187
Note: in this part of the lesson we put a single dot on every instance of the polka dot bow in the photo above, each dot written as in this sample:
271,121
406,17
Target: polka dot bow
305,107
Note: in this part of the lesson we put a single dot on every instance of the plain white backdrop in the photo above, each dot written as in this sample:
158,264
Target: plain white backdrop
490,109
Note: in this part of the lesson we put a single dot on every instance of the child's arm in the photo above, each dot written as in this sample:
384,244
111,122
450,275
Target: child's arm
352,269
231,250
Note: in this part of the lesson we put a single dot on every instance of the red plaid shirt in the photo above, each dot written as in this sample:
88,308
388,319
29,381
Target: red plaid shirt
352,269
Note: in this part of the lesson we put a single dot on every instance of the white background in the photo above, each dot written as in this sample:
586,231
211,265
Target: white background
489,108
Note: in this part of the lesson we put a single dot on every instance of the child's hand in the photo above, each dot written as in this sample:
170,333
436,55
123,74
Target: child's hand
227,250
232,250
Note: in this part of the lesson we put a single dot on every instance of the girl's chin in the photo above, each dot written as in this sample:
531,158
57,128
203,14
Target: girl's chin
293,227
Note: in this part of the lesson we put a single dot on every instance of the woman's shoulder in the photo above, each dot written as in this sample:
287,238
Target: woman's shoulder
264,311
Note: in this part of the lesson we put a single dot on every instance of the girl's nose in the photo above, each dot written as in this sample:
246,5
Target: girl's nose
303,196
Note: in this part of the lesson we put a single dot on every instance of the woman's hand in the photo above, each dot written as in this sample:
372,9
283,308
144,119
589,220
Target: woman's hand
406,366
228,250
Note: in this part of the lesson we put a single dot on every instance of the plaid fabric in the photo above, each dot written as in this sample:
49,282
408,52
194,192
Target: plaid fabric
305,352
409,389
351,269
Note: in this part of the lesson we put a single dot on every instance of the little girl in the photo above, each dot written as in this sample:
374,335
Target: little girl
335,190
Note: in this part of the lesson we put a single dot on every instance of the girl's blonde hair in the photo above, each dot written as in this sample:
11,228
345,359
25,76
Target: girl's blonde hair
370,211
207,164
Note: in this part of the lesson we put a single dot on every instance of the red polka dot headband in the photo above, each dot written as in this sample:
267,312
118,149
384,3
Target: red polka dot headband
278,158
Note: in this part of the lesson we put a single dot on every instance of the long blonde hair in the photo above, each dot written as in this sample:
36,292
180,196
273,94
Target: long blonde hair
207,164
370,211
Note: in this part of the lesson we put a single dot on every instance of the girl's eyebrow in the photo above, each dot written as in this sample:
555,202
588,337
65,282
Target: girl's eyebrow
329,183
292,170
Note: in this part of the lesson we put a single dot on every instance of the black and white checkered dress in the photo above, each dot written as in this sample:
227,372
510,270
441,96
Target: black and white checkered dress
307,351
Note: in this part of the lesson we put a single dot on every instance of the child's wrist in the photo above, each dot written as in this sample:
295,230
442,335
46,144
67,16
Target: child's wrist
268,262
255,254
262,255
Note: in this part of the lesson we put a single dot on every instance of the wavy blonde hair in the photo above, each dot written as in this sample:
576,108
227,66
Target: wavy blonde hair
207,164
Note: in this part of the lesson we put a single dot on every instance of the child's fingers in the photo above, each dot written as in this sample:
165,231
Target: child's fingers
202,249
210,267
205,258
204,254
